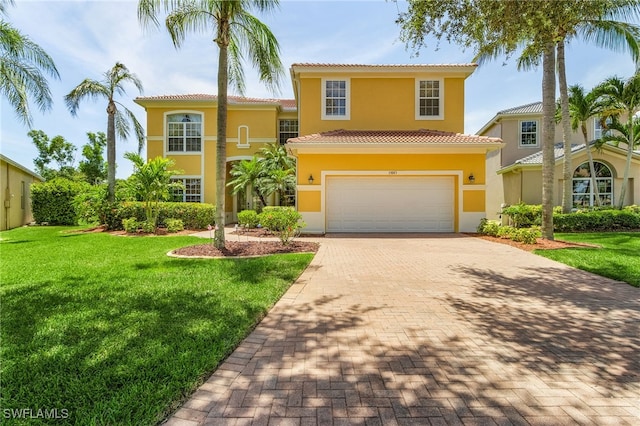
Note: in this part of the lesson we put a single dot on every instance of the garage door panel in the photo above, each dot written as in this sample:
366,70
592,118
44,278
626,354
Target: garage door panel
390,204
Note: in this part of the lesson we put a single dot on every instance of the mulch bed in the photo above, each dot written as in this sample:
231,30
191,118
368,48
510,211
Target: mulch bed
541,244
247,248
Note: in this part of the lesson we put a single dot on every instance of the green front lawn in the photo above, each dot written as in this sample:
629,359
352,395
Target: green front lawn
115,332
618,257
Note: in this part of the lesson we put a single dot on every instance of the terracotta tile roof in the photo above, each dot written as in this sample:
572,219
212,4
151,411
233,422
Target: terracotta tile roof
422,136
285,103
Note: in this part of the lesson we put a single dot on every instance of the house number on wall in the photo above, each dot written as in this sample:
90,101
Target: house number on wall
393,172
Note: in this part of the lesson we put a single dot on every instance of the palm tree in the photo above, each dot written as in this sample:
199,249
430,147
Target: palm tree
235,30
248,173
119,120
23,65
583,107
279,181
606,31
622,97
151,181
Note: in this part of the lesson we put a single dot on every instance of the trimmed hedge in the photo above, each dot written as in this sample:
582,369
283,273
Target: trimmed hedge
192,215
596,220
52,202
522,235
285,222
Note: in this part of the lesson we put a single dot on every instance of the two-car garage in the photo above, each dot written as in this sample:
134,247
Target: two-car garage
390,204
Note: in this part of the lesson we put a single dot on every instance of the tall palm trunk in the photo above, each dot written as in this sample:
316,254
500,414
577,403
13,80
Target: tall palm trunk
548,131
592,167
221,141
567,169
627,166
111,152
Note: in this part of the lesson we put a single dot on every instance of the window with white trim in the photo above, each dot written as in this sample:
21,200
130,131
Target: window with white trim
287,129
191,193
583,194
335,99
529,133
184,133
598,129
428,99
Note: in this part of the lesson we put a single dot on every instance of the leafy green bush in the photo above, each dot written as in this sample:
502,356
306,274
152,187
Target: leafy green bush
193,215
91,205
488,227
597,220
523,235
130,225
282,221
174,225
248,219
523,215
52,202
148,227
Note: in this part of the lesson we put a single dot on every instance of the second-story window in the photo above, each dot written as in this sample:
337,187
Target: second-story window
529,134
335,98
287,129
599,131
429,102
184,133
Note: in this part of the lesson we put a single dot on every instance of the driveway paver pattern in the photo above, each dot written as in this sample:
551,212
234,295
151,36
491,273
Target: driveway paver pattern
434,329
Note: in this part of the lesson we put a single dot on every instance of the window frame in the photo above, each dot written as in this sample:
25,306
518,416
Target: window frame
590,193
521,133
440,98
183,192
288,131
597,128
347,98
185,136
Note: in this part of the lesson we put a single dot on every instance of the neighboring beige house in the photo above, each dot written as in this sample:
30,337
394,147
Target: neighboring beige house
15,181
514,173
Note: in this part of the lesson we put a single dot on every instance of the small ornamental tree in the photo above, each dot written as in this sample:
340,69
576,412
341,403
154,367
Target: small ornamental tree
151,182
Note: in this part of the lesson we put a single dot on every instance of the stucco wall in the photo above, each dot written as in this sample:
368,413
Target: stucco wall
16,196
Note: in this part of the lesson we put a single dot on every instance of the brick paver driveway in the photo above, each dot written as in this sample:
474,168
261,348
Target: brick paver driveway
434,330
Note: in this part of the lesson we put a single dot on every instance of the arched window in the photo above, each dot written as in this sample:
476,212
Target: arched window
184,132
583,193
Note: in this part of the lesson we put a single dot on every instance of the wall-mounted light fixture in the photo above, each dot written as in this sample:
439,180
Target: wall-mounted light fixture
310,179
472,178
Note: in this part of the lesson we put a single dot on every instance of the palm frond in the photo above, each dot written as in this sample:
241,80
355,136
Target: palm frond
613,35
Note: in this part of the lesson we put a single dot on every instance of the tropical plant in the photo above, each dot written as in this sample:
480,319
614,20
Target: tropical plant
119,118
583,107
622,98
279,181
93,166
23,69
57,150
248,174
151,181
236,30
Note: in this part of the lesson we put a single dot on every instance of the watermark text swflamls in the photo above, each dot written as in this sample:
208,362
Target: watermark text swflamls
40,413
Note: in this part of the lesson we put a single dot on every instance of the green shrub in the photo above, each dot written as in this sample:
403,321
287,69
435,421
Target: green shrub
130,225
174,225
526,235
52,202
282,221
248,219
523,215
597,220
193,215
91,205
148,227
489,227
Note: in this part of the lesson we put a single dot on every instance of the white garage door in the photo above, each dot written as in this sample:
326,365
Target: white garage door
390,204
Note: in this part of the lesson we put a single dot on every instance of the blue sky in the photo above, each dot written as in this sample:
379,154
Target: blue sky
87,37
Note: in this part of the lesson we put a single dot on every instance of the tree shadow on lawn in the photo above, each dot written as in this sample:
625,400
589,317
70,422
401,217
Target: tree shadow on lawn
111,355
513,351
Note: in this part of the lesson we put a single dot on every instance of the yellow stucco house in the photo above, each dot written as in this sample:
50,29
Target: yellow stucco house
15,181
514,173
379,148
